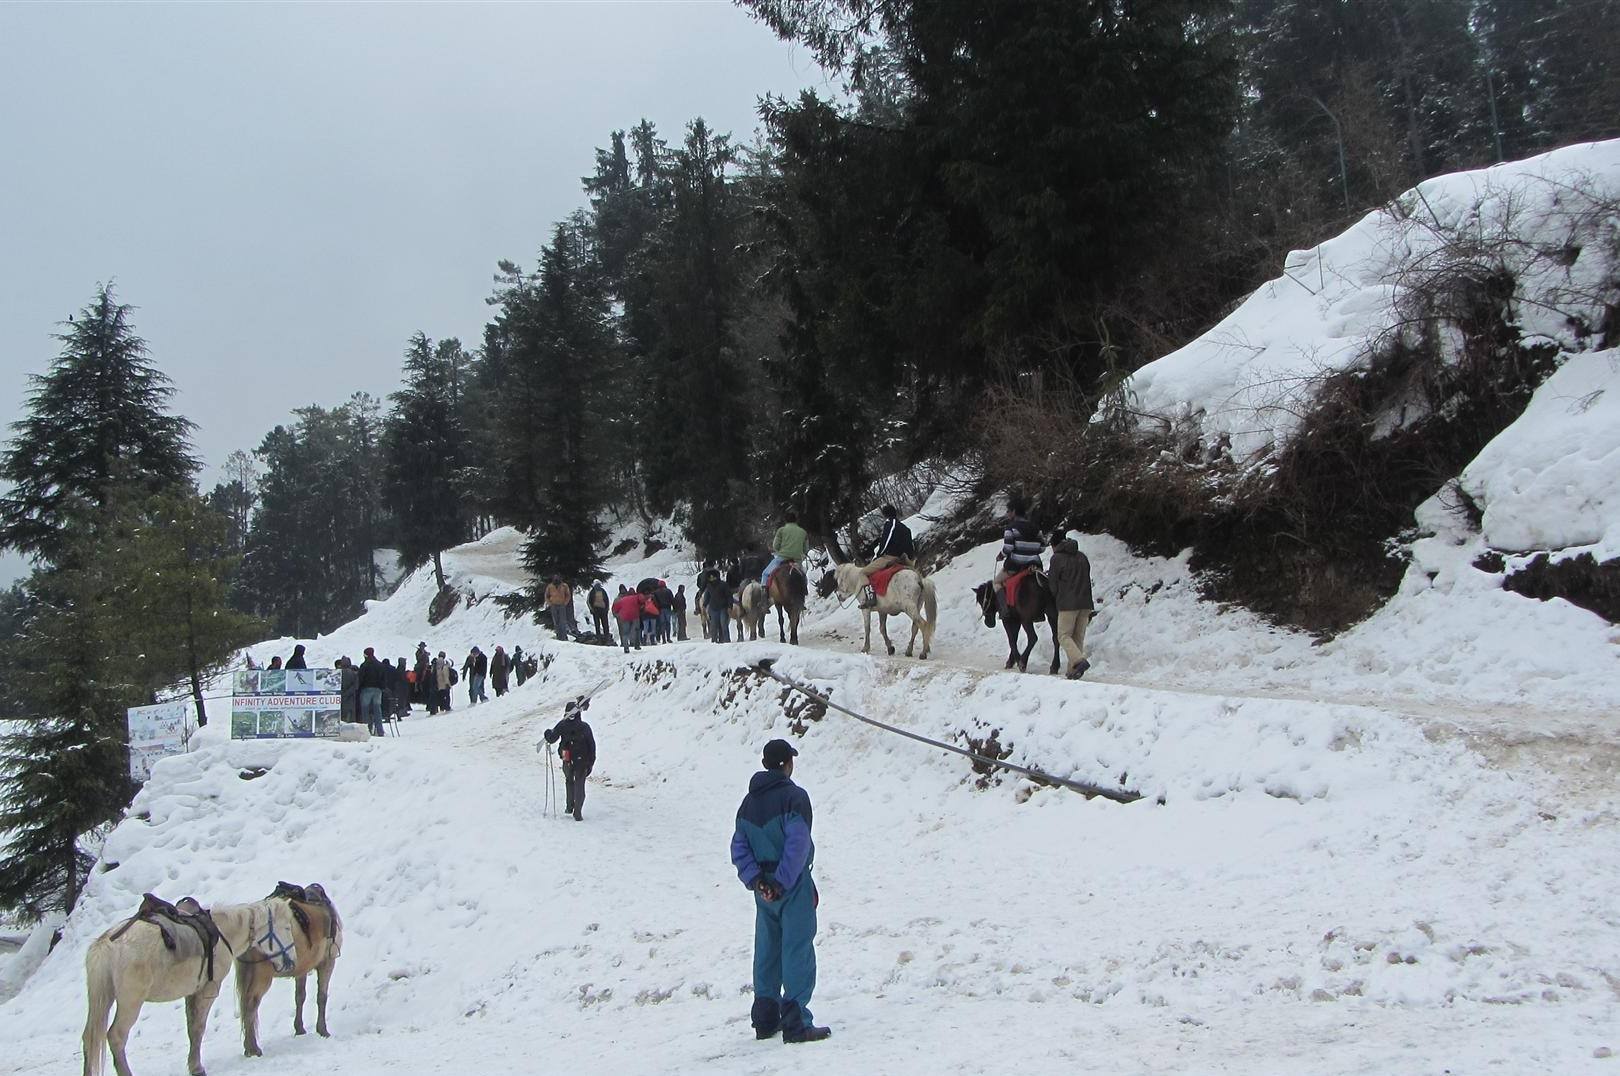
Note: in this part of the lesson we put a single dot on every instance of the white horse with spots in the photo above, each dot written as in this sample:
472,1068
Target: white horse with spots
908,593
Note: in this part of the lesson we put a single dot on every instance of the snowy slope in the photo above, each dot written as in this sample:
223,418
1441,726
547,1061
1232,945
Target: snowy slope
1332,884
1250,379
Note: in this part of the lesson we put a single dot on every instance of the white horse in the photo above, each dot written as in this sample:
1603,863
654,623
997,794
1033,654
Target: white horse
750,612
908,593
132,964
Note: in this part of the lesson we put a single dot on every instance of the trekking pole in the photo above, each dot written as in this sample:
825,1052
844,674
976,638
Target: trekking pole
1118,795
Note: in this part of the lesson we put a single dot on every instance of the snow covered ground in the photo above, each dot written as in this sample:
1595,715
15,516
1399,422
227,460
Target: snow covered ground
1335,881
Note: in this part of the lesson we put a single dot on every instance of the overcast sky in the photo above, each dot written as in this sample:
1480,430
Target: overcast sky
287,192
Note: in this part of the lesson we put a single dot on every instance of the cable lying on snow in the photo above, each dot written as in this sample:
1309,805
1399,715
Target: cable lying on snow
1118,795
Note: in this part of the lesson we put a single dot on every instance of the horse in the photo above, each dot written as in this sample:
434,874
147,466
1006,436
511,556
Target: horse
750,612
1036,602
787,592
164,953
908,593
319,941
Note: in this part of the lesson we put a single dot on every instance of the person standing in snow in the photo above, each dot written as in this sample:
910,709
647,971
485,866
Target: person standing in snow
498,668
680,612
717,600
402,691
666,611
1070,579
627,611
519,668
577,749
599,605
297,659
475,669
373,683
559,599
440,679
772,849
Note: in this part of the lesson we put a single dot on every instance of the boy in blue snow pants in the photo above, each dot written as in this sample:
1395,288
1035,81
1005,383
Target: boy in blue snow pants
772,850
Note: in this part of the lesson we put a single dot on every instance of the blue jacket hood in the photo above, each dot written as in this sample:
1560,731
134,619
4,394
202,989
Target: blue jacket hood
767,779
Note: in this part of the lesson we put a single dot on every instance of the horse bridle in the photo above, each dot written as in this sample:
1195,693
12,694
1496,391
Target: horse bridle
280,954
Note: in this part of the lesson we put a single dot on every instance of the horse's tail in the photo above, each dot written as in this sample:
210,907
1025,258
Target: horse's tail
99,985
930,604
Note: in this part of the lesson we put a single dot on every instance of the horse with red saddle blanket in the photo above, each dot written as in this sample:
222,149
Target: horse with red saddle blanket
1029,601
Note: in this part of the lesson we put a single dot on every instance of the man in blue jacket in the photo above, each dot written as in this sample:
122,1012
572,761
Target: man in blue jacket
772,851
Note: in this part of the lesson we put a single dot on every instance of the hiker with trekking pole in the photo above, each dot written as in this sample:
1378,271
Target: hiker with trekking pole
576,747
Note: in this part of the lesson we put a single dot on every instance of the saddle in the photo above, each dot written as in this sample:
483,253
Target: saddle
314,894
880,580
186,913
796,585
1013,584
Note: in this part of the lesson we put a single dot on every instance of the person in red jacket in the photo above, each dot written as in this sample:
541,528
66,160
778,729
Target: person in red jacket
649,618
627,611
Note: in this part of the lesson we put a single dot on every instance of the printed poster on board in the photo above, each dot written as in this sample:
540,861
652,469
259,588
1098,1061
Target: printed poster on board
156,732
271,704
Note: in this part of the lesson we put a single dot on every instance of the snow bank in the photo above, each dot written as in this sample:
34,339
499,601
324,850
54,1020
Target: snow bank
1249,381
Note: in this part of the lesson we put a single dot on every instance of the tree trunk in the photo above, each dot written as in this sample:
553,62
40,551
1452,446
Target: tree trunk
438,569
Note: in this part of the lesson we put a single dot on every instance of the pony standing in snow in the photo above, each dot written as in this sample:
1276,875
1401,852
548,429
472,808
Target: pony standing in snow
908,593
168,952
750,612
319,937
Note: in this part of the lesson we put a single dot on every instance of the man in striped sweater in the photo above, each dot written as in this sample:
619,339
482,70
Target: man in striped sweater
1021,547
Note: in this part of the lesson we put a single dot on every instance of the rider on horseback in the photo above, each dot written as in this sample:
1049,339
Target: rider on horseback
1021,547
789,546
893,548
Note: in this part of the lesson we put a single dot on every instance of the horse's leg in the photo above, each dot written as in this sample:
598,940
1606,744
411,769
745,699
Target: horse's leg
883,630
866,615
252,982
323,979
197,1006
1029,646
300,991
793,621
129,1010
1011,629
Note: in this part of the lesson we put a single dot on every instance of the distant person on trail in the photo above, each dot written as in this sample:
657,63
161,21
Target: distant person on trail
373,682
680,612
275,662
443,676
559,598
1021,547
402,691
424,662
577,749
475,669
1070,579
789,545
627,611
499,666
601,609
519,666
893,547
666,610
772,849
297,659
717,600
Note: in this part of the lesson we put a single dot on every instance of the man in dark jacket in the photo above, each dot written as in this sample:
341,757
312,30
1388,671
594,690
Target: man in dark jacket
666,610
772,849
598,603
520,667
717,601
297,659
1070,579
373,683
680,612
577,749
894,547
499,667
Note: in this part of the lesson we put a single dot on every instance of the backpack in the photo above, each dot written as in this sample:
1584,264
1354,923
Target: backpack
454,679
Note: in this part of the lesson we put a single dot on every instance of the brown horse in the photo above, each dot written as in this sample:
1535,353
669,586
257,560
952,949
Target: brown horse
788,590
1036,602
316,943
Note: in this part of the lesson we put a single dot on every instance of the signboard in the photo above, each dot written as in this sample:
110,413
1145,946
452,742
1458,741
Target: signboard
157,732
270,704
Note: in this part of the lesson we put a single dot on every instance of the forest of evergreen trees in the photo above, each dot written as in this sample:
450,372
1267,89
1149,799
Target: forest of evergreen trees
1043,192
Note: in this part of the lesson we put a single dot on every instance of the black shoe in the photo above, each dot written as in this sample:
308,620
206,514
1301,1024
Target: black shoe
577,816
761,1033
807,1034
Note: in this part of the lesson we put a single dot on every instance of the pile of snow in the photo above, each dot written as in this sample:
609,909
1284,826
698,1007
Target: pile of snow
1247,383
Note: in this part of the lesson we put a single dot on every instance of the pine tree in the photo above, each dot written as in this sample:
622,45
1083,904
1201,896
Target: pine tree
425,454
97,418
556,417
65,768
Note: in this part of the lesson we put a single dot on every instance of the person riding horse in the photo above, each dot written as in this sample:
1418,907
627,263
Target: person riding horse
895,547
790,545
1021,548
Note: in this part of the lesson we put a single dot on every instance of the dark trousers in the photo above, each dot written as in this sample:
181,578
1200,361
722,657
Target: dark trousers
719,625
680,624
599,622
574,783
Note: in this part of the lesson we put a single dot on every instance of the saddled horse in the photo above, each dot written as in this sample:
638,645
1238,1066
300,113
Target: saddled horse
750,611
318,941
787,592
908,592
168,952
1035,603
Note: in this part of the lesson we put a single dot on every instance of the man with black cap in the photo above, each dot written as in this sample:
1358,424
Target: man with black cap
772,851
578,752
